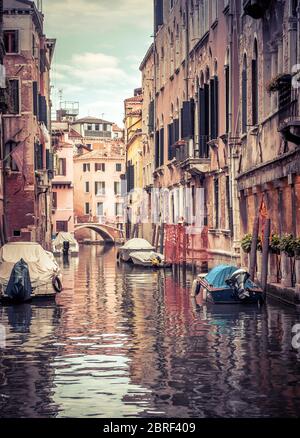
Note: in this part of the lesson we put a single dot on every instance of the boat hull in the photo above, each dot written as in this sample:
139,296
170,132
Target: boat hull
226,295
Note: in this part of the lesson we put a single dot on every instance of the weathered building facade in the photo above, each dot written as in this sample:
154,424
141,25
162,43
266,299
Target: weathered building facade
63,182
269,165
28,163
98,187
196,104
134,156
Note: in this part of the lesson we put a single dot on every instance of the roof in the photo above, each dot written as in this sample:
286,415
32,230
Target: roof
114,153
138,98
91,120
74,134
149,52
116,128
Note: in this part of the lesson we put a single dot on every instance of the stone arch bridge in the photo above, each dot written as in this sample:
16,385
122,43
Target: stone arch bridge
108,233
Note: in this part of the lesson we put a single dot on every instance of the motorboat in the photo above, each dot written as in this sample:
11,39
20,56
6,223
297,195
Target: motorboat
65,244
148,259
134,246
227,285
28,273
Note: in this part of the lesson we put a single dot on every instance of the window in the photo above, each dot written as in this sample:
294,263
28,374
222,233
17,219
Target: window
255,85
100,167
17,233
97,127
35,97
86,167
214,108
227,98
10,163
54,200
100,209
244,96
14,96
100,188
11,41
89,127
87,208
118,167
118,209
62,167
87,187
61,226
117,187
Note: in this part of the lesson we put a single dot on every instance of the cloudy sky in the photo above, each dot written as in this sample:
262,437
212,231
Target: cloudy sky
100,44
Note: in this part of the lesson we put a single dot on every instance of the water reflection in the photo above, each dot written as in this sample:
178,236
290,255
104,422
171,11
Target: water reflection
125,342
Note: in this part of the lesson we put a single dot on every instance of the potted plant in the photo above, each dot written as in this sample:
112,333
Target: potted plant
275,243
297,247
246,243
277,82
286,245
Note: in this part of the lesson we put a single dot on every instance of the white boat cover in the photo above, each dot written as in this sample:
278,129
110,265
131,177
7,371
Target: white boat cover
137,244
42,267
62,237
147,257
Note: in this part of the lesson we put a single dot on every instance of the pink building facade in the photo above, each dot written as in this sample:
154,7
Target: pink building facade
63,183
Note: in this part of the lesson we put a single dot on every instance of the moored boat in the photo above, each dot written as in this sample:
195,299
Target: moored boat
148,259
28,273
228,285
65,243
134,246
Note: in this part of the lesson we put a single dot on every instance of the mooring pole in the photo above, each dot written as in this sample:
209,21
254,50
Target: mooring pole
253,254
162,238
265,254
157,237
153,234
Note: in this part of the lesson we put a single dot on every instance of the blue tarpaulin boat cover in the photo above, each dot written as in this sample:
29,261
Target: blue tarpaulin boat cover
218,275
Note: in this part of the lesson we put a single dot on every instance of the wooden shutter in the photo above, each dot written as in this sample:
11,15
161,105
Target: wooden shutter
244,101
254,92
156,149
186,120
43,111
158,14
202,127
161,146
170,141
64,166
151,117
35,98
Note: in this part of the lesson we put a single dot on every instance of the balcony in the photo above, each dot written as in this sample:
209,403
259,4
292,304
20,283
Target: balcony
42,179
191,161
256,8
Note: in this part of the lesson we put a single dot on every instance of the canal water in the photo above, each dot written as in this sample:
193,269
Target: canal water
127,342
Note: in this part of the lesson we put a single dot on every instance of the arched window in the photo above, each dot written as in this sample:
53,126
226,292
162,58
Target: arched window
10,163
227,91
255,85
244,95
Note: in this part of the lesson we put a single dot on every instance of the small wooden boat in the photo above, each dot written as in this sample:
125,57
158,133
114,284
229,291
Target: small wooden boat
134,246
65,240
148,259
28,273
227,285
